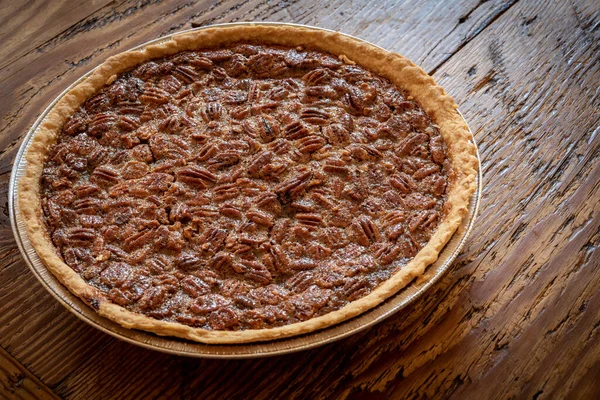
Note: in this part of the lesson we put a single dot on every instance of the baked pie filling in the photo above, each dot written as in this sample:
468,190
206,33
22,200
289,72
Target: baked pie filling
245,187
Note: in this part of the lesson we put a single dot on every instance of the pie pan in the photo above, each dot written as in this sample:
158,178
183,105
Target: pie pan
177,346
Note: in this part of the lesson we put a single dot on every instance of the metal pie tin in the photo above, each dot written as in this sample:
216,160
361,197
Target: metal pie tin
184,347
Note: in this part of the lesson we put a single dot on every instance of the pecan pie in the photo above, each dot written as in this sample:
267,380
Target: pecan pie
246,183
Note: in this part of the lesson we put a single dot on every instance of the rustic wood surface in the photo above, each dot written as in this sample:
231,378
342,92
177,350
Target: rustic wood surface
518,315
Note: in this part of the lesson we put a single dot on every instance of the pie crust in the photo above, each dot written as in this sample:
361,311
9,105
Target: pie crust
435,102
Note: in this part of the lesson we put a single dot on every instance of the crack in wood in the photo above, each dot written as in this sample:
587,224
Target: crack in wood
487,23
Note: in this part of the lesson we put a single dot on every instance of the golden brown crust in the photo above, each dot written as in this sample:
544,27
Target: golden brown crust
432,98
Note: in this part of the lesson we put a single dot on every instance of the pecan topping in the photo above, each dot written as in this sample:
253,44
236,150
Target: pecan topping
81,236
86,206
437,149
336,167
260,218
104,176
260,161
244,187
185,73
364,152
295,130
316,77
310,144
403,182
212,111
256,272
315,116
200,62
196,176
231,212
206,152
221,261
269,129
307,219
410,143
154,95
194,286
223,160
294,187
336,134
128,123
269,201
365,231
426,171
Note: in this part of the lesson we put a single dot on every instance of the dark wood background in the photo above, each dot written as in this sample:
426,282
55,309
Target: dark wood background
518,316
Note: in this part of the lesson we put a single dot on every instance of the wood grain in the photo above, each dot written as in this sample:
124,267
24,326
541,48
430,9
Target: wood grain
35,23
18,382
516,317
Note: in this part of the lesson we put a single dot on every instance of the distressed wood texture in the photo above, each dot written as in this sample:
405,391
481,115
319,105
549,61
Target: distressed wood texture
18,382
518,314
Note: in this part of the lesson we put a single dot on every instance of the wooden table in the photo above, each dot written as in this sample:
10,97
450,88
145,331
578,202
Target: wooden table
518,316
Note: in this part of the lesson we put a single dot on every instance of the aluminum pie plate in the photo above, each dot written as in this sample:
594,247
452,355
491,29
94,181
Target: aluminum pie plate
183,347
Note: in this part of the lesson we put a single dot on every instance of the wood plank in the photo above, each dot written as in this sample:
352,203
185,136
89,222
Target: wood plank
27,25
16,382
40,332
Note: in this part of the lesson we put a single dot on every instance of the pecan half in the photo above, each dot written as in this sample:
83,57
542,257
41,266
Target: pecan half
315,116
196,176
